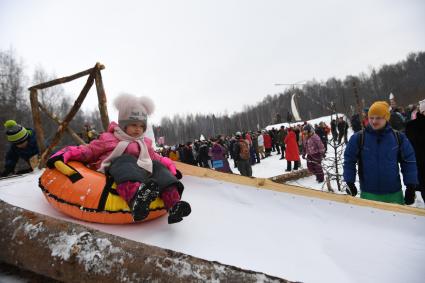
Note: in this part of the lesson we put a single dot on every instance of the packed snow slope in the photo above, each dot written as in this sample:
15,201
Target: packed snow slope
293,237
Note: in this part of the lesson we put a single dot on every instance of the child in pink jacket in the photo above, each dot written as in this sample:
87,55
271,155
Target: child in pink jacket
124,153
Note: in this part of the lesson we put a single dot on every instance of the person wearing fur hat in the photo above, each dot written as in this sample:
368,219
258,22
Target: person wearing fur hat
415,133
23,144
314,149
378,150
124,153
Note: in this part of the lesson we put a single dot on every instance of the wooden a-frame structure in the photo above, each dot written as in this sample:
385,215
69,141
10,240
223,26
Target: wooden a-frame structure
94,77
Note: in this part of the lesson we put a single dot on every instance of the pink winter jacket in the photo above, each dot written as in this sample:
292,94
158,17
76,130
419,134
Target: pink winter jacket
313,145
98,150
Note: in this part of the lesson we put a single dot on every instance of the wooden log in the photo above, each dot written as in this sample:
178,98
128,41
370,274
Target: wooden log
37,120
67,79
296,190
294,175
67,119
56,119
71,252
101,95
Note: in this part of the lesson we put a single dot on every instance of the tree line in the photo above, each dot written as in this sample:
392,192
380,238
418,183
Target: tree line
405,79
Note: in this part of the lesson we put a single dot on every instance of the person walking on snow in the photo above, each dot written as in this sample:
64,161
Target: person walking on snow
291,150
267,143
124,153
378,150
280,139
242,155
342,130
218,154
314,149
260,140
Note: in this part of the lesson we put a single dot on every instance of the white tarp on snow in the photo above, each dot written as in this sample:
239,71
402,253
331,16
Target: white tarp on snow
293,237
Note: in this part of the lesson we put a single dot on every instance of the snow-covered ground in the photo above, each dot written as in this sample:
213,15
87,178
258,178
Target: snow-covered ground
293,237
326,119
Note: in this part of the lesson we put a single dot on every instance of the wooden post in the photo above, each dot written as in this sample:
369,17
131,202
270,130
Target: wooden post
103,108
68,118
56,119
67,79
37,120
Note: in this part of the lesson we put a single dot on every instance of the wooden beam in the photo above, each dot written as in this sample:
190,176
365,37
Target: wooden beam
270,185
101,95
56,119
67,79
68,118
37,120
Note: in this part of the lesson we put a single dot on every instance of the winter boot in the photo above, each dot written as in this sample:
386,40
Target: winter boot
288,166
178,211
146,193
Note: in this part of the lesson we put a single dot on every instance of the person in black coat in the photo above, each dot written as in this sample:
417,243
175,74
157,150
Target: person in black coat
415,133
342,130
203,155
188,157
334,130
356,125
23,144
321,132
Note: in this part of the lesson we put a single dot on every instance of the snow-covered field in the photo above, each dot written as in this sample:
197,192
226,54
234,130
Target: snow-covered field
293,237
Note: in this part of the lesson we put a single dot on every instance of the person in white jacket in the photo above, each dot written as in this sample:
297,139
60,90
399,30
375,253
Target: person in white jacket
261,145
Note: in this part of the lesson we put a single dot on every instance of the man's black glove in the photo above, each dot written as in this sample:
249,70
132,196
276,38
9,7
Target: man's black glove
51,161
178,174
410,194
351,190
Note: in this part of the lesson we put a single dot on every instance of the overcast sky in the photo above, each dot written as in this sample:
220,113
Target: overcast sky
209,56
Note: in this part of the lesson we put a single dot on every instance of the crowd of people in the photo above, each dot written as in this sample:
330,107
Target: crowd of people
246,149
384,138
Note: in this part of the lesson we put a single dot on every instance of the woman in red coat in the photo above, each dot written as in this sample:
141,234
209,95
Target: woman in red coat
291,152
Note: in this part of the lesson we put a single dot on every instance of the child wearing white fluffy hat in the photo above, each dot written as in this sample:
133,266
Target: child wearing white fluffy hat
127,155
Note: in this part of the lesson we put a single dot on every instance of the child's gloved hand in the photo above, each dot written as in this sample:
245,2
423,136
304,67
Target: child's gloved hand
167,162
178,174
61,156
51,161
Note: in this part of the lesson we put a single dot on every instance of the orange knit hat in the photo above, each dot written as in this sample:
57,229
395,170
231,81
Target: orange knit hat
381,109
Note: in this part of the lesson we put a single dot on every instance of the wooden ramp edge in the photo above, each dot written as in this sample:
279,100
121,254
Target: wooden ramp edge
71,252
264,183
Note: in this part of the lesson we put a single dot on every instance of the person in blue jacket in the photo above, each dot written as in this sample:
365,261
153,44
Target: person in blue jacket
23,144
378,150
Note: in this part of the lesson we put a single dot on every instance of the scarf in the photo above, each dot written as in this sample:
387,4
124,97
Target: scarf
144,161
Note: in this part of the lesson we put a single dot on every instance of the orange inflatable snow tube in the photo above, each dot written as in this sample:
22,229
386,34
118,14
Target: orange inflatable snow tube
88,195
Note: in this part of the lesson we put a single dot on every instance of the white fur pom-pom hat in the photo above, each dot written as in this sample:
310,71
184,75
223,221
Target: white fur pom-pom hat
132,108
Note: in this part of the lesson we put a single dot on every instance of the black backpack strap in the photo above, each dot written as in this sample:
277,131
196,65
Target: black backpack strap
398,139
360,144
